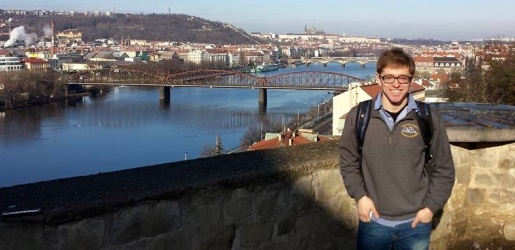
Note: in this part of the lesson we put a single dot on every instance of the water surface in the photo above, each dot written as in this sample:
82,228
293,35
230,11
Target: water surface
129,127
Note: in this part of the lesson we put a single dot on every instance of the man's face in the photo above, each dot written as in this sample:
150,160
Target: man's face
395,83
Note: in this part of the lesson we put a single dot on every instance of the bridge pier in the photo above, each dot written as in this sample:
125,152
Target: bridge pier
262,99
164,93
363,65
343,65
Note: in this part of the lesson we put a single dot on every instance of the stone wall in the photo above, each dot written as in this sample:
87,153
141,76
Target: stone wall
482,206
290,198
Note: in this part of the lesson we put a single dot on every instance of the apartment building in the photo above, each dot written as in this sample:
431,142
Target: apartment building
435,65
10,64
36,64
217,56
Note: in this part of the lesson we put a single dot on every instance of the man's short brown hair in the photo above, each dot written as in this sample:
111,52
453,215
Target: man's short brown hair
395,57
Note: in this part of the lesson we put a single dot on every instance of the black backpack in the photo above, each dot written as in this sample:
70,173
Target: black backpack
424,121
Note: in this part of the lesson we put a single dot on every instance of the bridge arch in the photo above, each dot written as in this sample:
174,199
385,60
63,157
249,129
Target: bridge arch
341,60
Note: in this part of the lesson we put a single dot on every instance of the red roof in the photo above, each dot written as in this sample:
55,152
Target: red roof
216,51
34,60
5,53
423,59
372,90
298,139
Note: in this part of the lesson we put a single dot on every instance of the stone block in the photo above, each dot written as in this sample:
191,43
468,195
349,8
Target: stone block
238,205
315,218
88,234
461,159
219,239
146,220
502,198
476,196
304,186
484,158
509,230
284,226
27,237
203,197
329,183
458,197
483,228
272,200
347,214
255,234
508,178
203,216
486,180
339,207
179,239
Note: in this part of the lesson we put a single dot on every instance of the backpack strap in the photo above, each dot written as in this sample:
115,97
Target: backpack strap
362,119
425,123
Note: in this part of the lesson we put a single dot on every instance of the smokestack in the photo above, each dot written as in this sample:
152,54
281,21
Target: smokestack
53,48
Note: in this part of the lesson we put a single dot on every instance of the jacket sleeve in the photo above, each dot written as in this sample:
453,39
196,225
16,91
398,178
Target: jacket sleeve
443,173
350,158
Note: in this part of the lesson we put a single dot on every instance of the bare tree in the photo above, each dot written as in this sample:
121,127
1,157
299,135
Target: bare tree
257,132
487,81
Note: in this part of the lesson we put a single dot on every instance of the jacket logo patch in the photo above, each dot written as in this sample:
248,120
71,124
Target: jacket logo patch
409,130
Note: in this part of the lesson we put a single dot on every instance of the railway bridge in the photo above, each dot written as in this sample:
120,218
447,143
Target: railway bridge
305,80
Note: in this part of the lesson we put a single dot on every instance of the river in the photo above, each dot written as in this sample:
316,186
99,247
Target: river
129,127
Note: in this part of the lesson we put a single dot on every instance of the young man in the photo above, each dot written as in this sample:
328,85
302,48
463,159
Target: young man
396,196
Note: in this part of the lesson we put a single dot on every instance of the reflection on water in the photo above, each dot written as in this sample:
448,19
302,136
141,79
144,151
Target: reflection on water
131,127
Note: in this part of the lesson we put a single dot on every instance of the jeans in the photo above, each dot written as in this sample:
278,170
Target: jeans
372,235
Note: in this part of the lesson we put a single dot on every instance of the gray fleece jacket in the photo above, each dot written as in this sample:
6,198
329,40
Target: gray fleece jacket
392,170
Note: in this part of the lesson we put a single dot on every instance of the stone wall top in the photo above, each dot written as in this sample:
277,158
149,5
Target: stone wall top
86,196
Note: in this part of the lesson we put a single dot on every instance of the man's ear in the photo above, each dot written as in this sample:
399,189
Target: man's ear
378,80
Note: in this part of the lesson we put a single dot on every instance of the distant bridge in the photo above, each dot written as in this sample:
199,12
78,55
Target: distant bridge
341,60
305,80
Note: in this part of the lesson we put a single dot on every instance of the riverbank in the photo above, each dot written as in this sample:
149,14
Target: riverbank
38,102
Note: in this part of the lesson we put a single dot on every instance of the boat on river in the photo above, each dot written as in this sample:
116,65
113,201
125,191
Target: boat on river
262,68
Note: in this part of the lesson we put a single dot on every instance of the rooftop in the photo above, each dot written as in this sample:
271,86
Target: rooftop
492,122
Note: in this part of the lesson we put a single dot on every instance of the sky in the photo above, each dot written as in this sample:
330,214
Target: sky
410,19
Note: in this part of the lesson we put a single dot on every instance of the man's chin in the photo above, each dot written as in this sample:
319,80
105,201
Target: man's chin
396,100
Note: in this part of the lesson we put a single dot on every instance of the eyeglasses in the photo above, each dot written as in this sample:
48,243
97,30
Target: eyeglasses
400,79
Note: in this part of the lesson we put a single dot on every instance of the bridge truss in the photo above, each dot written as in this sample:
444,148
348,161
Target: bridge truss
308,80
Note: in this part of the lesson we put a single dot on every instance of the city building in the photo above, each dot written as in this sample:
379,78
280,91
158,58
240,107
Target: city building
36,64
217,56
447,65
69,36
10,64
435,65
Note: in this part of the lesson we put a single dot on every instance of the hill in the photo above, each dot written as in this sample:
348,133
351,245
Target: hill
154,27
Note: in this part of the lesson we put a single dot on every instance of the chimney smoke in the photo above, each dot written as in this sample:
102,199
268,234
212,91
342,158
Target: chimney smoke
53,49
